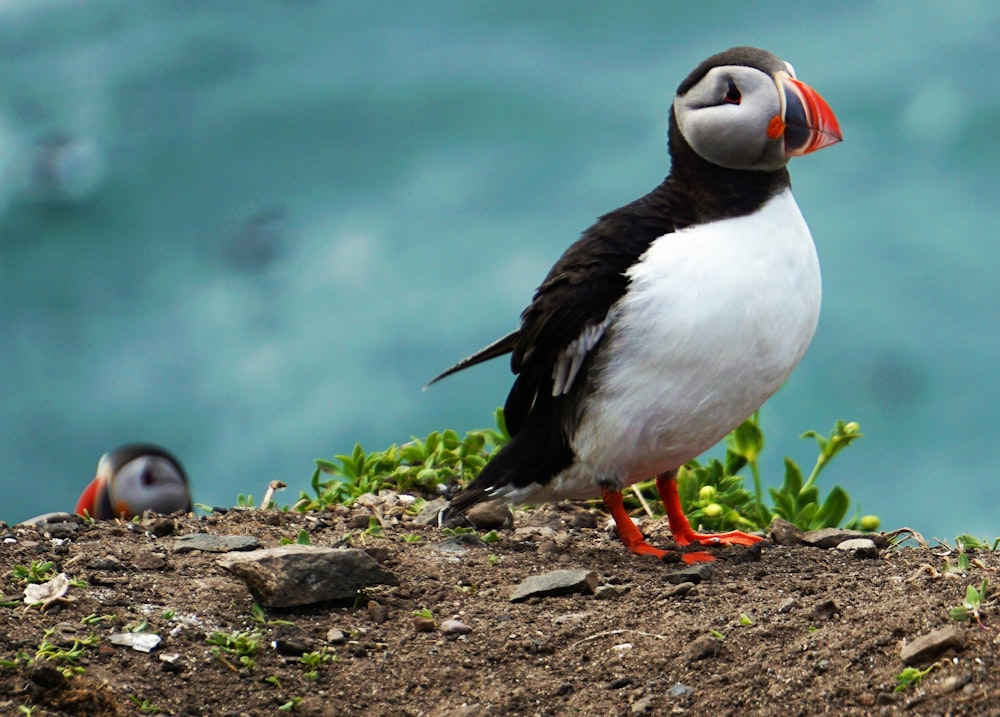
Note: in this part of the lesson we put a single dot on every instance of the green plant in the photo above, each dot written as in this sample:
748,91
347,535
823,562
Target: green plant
412,538
420,465
260,617
301,539
95,619
244,501
423,612
714,496
38,572
145,706
27,709
291,706
241,645
21,658
973,604
910,676
314,660
67,659
374,527
168,614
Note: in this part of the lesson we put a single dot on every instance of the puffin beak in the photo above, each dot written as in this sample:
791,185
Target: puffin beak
806,121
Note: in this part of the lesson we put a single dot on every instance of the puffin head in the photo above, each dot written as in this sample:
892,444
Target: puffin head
135,478
744,109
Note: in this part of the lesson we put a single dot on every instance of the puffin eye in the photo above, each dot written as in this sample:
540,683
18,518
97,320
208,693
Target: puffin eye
733,95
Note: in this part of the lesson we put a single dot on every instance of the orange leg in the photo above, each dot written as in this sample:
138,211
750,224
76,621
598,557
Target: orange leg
631,536
666,484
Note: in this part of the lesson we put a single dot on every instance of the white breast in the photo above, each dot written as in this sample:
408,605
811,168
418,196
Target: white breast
715,319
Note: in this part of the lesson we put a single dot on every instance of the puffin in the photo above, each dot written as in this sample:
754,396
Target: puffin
135,478
673,318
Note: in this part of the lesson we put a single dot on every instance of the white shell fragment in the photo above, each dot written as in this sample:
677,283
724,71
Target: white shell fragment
48,592
141,641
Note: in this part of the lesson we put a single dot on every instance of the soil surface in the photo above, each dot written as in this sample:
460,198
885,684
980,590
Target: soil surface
789,630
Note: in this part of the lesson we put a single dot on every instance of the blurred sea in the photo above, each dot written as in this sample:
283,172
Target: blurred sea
251,231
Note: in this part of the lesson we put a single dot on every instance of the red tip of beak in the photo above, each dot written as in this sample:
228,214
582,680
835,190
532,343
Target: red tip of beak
809,122
88,499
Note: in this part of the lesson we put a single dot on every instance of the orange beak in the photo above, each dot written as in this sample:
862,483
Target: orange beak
806,122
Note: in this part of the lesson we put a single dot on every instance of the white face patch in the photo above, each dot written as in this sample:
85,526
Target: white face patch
725,116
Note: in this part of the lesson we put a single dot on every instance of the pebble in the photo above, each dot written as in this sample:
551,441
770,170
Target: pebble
859,547
336,636
150,561
787,605
424,624
610,592
209,543
928,647
702,648
292,575
491,515
826,609
454,627
556,582
691,574
679,590
377,612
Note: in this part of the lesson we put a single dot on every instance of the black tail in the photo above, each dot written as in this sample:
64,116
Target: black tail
498,348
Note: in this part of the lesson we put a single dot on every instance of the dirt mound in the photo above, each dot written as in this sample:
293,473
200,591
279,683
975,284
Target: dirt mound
799,631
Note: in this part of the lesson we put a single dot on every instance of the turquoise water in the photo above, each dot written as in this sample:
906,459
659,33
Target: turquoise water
252,231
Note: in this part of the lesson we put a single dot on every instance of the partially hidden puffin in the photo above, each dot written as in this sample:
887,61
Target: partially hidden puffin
133,479
674,317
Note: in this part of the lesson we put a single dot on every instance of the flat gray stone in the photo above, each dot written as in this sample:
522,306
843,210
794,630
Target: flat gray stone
214,543
832,537
861,547
292,575
557,582
691,574
784,532
928,647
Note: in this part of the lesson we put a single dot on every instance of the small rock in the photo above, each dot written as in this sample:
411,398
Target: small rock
826,610
292,575
336,636
150,561
160,527
209,543
702,648
173,662
454,627
610,592
642,705
492,515
860,547
691,574
928,647
428,515
360,521
584,519
679,590
787,605
679,690
377,612
292,640
424,624
785,533
557,582
460,544
378,553
533,531
108,562
832,537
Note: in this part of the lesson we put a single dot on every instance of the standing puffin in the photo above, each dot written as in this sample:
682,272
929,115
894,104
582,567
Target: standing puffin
135,478
673,318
